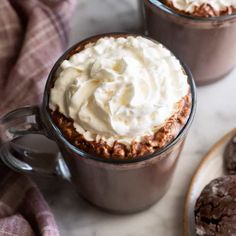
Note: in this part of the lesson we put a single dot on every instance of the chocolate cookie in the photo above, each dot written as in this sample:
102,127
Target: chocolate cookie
215,209
230,156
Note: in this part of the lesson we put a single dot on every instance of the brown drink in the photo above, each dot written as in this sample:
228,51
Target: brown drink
138,172
204,38
100,106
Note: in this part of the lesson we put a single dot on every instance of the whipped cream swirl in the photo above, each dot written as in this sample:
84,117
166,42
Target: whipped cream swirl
190,5
119,89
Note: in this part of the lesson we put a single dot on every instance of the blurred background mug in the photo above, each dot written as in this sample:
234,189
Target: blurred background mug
122,186
206,45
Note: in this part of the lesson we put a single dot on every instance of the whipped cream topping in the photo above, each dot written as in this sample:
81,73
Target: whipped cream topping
190,5
119,89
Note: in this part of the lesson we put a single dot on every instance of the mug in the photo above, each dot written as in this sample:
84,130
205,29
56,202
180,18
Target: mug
206,45
121,186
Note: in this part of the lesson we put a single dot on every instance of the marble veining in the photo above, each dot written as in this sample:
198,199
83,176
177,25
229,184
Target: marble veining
216,115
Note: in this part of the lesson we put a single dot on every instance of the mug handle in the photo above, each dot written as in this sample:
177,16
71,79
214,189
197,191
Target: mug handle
21,122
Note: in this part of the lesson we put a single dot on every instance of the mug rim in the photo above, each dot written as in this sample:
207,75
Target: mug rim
45,109
165,8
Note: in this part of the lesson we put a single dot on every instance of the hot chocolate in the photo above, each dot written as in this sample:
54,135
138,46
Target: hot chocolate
120,97
130,87
203,8
202,35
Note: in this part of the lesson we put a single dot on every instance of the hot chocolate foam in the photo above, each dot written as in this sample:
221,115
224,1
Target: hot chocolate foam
119,89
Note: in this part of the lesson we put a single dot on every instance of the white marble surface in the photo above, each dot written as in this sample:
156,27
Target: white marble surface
216,115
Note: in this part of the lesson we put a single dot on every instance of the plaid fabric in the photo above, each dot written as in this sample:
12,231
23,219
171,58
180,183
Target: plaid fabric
23,210
33,34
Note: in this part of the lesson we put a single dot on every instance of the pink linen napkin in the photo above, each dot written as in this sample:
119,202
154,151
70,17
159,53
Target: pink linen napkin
33,34
23,210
